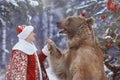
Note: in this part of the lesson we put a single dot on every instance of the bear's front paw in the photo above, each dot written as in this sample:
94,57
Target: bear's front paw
50,42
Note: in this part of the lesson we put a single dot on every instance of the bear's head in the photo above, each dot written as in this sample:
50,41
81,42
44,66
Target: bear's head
76,25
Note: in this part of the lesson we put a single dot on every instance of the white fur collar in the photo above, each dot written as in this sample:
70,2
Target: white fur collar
26,47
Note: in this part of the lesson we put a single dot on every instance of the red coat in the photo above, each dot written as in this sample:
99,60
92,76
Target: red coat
24,67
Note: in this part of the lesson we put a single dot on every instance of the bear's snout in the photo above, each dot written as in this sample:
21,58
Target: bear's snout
58,24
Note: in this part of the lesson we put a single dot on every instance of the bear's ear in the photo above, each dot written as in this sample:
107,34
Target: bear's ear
90,21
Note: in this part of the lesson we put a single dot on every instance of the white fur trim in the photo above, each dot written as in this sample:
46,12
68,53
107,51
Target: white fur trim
39,66
26,47
38,62
46,51
25,33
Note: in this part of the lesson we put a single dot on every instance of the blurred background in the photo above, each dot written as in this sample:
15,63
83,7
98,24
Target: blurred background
44,14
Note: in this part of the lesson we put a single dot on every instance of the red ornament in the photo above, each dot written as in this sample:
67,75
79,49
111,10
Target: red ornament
102,17
83,14
111,5
107,45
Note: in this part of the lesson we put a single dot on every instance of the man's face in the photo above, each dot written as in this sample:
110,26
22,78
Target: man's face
31,37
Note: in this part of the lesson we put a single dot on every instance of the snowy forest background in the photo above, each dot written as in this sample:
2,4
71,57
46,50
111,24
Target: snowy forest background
43,15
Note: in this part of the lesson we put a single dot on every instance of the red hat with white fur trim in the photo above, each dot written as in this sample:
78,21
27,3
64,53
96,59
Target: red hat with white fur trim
24,31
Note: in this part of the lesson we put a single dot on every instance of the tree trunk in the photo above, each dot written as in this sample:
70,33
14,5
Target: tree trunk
3,46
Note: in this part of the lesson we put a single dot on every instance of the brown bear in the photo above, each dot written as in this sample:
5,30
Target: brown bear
83,59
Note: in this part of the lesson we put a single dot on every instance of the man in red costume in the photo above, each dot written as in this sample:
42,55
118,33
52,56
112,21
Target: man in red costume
25,63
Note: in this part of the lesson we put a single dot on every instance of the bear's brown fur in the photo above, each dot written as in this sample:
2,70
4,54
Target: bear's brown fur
83,59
